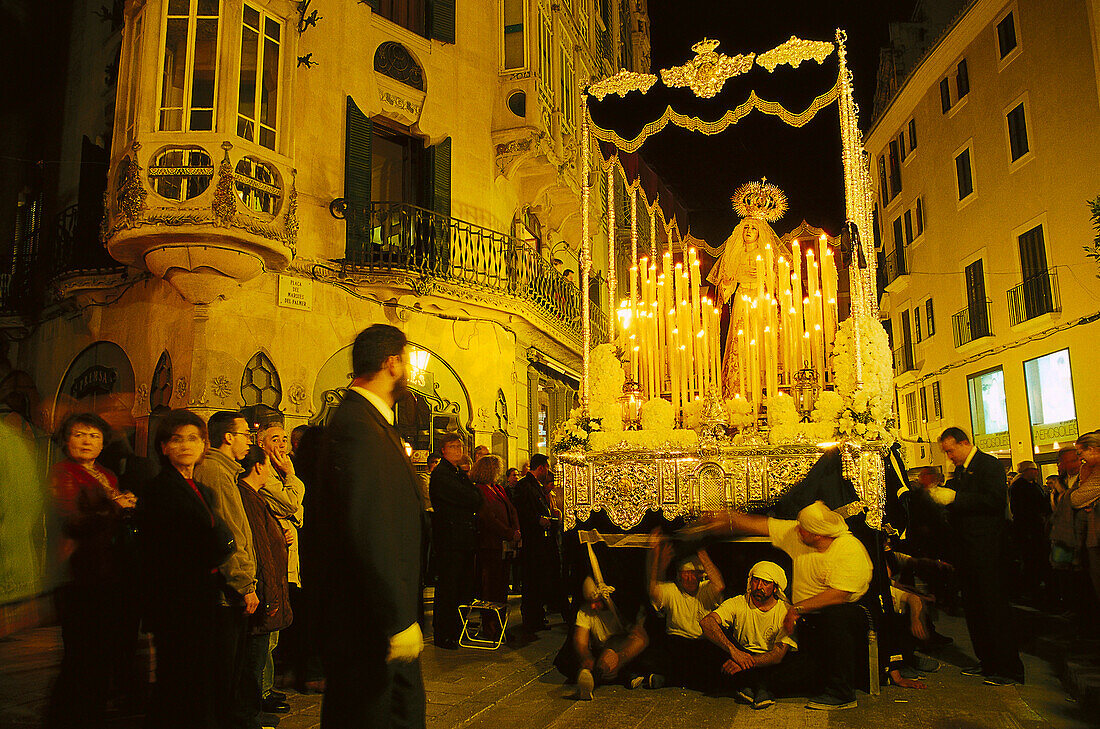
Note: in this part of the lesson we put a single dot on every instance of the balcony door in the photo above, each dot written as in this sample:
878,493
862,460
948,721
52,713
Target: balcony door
975,300
397,168
906,342
1036,277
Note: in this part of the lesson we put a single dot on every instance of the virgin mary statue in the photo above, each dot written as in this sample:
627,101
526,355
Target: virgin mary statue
740,270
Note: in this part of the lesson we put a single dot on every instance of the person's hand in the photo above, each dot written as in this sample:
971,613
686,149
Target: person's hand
730,668
742,659
789,621
282,461
909,683
516,537
126,500
916,627
288,534
608,664
712,523
251,602
406,645
941,495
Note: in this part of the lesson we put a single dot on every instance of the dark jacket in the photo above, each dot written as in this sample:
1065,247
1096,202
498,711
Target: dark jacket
269,542
455,503
531,504
183,542
365,534
978,513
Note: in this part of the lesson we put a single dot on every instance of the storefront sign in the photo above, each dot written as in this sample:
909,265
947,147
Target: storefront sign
295,293
96,380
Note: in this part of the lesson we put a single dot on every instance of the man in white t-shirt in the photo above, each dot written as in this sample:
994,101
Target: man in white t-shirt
831,571
602,644
697,590
750,631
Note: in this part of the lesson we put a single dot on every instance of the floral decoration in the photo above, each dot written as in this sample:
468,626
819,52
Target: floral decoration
867,412
657,414
740,412
574,433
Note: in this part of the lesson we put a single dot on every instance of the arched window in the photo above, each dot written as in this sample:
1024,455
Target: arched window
260,383
394,60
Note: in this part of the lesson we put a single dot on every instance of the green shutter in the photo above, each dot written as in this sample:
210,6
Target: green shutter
442,20
357,172
441,177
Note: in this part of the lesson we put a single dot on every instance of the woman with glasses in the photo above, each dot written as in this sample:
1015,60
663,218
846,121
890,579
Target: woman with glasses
184,542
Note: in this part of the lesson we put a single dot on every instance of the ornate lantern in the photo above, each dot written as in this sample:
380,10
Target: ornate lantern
631,404
805,390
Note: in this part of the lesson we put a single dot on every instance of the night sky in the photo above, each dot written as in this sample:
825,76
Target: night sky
805,163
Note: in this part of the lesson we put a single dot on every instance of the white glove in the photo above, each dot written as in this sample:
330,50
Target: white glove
406,645
941,495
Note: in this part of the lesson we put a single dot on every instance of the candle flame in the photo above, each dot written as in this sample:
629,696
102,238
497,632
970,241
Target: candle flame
806,335
824,238
817,327
740,332
700,333
752,343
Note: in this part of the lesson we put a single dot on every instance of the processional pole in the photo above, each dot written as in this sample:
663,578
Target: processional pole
586,256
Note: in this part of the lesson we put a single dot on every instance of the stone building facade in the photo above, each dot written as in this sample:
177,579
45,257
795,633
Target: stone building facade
984,163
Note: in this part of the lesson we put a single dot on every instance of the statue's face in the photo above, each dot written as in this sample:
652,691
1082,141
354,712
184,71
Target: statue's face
751,232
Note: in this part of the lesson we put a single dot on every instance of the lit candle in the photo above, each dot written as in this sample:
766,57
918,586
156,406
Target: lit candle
674,361
633,322
796,299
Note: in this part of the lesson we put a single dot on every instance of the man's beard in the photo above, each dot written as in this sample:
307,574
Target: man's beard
400,389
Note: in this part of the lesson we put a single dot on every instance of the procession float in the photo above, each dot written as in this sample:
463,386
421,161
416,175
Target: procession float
673,419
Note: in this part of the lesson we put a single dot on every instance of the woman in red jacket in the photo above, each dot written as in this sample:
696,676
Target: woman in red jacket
498,530
95,603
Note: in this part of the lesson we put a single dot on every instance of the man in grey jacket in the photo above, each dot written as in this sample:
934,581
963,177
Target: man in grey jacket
218,471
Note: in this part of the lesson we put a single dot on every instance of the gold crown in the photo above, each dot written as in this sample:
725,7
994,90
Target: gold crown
761,200
704,46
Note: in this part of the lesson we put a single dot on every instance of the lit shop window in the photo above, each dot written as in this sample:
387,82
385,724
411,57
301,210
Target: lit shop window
258,87
1050,401
258,186
181,173
989,410
189,66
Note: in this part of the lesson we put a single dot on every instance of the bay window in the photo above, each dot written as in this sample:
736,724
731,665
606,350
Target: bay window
258,83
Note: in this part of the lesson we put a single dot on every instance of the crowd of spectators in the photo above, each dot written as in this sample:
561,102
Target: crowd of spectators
213,555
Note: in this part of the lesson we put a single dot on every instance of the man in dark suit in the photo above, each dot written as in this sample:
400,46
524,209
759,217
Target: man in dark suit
975,501
540,563
366,552
455,503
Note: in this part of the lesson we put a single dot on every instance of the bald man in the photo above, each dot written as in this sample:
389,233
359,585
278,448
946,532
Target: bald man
831,571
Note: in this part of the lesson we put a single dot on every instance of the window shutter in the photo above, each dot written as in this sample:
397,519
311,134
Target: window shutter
357,172
441,177
442,20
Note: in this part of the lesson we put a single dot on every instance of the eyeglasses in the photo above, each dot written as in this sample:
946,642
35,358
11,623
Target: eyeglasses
245,433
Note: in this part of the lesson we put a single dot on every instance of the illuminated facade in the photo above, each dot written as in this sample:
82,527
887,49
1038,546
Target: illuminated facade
269,179
983,163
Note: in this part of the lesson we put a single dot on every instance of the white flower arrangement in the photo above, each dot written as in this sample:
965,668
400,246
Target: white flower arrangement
575,432
693,415
605,386
781,411
657,414
739,412
662,439
866,413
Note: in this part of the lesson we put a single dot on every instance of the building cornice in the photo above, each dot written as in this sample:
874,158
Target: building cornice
935,64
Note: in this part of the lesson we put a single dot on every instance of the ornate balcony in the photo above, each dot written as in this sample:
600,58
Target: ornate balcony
435,251
897,270
62,249
201,213
1034,297
971,323
904,361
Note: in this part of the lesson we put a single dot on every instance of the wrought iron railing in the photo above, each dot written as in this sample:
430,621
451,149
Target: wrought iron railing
895,265
394,236
68,244
904,360
971,323
1034,297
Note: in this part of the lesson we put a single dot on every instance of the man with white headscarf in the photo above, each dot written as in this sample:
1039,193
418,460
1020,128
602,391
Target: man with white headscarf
831,571
751,630
604,642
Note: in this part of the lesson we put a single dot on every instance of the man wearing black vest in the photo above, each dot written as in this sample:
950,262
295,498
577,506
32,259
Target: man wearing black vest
366,554
975,499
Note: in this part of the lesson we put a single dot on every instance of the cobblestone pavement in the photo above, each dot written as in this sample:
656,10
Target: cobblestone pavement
516,686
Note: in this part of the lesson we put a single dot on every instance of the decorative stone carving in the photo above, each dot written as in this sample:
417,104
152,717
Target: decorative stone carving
225,200
220,386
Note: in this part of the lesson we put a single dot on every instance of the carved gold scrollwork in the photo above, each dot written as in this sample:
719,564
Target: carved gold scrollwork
708,72
131,193
793,52
622,84
290,220
225,201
